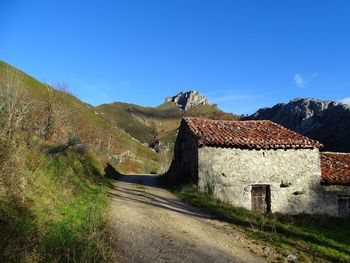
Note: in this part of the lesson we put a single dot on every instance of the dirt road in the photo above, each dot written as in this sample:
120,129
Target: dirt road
152,225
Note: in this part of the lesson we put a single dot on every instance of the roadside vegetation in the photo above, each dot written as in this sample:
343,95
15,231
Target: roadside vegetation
53,194
73,117
312,238
59,212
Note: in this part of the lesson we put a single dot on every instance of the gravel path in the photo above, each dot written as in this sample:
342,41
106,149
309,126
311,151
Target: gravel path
152,225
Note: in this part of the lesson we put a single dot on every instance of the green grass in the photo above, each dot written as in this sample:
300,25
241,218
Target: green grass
83,120
312,238
143,122
63,218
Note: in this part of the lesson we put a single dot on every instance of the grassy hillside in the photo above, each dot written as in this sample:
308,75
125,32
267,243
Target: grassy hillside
78,118
53,193
156,123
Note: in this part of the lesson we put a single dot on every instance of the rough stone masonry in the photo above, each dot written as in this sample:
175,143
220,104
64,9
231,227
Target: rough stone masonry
255,165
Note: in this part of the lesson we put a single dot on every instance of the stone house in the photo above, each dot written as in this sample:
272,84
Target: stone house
257,165
335,180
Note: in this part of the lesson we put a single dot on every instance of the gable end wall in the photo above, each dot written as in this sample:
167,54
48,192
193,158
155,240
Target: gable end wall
229,174
184,166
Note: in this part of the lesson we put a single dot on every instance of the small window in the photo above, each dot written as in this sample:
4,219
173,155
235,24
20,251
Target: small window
261,198
343,205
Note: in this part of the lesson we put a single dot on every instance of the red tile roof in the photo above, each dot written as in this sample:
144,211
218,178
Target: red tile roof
335,168
246,134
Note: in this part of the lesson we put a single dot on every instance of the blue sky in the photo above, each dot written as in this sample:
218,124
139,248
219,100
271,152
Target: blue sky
242,54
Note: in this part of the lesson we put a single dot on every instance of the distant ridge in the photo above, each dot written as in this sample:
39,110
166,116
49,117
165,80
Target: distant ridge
325,121
158,125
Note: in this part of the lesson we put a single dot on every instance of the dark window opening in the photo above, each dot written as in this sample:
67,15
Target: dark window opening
343,205
261,198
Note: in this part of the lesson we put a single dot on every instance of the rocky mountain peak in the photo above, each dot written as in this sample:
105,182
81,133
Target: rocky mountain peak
304,108
325,121
188,100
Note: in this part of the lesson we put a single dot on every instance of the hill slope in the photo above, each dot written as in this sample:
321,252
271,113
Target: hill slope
80,118
325,121
150,124
121,129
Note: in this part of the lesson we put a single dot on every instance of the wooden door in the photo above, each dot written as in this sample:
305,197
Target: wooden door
261,198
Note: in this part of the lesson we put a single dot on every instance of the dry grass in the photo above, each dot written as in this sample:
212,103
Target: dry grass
52,206
57,114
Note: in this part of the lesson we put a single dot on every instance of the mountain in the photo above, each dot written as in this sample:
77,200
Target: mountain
151,125
325,121
82,120
188,100
132,135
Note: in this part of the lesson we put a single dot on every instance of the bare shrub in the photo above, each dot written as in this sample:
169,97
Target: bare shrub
96,137
15,106
52,118
63,87
15,111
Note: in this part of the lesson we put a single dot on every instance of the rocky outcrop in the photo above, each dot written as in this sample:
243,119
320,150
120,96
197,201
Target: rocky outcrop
325,121
188,100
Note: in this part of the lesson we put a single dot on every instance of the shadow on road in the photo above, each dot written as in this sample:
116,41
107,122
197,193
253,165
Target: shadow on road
148,190
142,179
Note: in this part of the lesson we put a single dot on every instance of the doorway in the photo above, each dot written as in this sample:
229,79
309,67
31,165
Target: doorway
343,205
261,198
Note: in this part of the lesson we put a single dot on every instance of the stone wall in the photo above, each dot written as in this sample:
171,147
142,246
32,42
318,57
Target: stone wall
328,197
184,166
293,175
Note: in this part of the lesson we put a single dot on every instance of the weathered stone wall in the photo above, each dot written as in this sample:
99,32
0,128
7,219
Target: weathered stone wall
184,166
328,197
229,174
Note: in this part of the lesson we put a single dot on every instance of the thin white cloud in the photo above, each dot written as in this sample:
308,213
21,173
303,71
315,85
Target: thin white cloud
299,80
346,101
302,79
